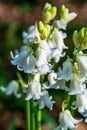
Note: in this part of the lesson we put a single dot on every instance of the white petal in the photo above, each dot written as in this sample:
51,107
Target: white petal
66,73
51,78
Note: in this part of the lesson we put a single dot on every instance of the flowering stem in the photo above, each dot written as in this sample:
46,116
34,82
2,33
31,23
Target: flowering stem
38,118
28,115
32,115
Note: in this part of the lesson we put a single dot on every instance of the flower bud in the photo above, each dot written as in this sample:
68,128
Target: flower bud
49,13
64,14
44,30
80,39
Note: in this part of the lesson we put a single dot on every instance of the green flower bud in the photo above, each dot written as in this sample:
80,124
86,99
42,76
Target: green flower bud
44,30
64,14
80,39
49,13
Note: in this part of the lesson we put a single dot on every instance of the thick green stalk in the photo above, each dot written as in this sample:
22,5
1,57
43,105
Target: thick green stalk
38,119
32,115
28,115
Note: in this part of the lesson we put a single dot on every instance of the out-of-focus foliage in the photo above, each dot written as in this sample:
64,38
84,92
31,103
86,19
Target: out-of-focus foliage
78,1
10,37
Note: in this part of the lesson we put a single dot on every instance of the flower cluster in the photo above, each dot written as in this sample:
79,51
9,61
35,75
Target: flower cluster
43,47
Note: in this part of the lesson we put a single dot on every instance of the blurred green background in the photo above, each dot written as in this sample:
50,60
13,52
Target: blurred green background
15,17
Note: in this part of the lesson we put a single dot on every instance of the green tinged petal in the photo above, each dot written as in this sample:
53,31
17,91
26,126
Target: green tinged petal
49,13
64,14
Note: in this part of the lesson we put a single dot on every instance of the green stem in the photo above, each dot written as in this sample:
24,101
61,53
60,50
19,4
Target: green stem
32,115
28,114
38,118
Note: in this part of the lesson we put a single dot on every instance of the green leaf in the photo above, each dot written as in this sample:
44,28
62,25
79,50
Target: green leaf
12,125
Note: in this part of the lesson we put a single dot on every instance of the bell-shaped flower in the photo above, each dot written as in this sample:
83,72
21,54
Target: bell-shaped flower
77,86
56,44
51,83
66,72
44,69
46,101
60,24
42,53
45,47
82,61
42,56
33,35
81,102
67,121
24,60
56,55
61,84
12,88
64,14
56,40
52,77
34,88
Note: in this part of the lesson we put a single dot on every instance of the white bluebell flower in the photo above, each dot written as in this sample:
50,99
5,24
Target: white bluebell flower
61,84
82,61
66,72
57,40
42,56
56,44
67,121
60,24
52,78
44,69
56,55
12,88
46,101
43,52
34,88
81,102
24,60
33,60
46,85
77,86
33,35
51,83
